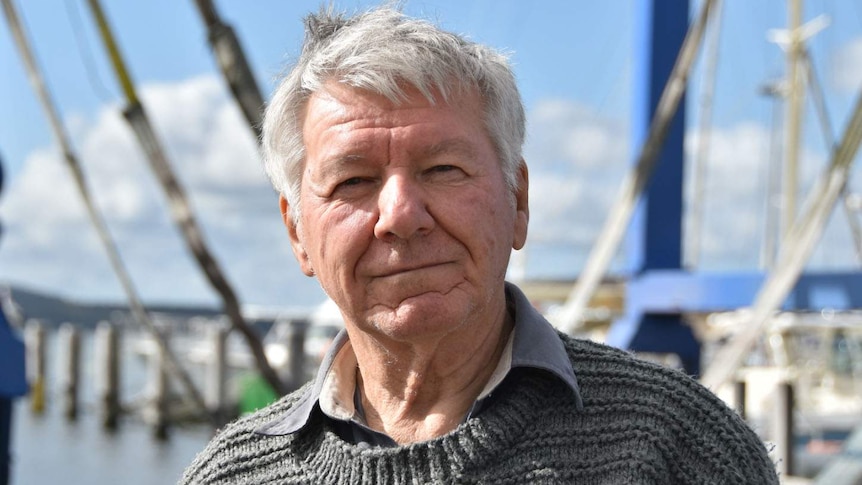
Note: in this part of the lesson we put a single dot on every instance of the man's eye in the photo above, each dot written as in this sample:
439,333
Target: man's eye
445,173
443,168
349,186
351,181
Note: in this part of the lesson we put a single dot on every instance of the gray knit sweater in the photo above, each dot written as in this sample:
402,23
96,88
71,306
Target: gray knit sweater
640,424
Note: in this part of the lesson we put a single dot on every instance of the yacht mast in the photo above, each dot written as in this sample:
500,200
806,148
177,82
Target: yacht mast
793,127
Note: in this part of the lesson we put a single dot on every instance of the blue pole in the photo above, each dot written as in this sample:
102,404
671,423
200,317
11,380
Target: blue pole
655,236
654,239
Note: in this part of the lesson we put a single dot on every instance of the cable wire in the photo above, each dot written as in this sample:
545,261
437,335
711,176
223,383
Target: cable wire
99,89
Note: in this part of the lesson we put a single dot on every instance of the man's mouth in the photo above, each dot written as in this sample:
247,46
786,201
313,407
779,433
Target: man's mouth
402,269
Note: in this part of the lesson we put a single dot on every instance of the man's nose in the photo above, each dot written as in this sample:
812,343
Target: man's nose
403,210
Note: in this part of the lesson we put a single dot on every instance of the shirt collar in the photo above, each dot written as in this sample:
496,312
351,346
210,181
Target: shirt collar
533,344
536,343
298,415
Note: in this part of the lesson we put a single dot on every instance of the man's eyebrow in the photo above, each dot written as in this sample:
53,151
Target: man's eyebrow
334,167
457,146
341,161
454,145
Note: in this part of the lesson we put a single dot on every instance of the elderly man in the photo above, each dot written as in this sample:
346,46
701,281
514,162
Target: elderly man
396,148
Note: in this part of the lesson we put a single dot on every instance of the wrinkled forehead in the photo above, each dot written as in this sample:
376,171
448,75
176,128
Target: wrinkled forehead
398,93
339,111
337,103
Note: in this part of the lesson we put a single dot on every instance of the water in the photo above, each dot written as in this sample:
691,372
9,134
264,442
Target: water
47,449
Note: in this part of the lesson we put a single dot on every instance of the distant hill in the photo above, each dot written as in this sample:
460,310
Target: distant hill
53,310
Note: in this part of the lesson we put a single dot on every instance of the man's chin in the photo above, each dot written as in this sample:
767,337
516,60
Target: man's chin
419,318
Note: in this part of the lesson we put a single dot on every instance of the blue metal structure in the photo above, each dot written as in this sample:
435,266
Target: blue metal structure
660,291
654,239
13,383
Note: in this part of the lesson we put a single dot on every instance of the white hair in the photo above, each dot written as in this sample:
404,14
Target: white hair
383,51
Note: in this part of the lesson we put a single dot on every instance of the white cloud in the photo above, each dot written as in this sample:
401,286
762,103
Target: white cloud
732,210
735,202
847,67
49,244
576,159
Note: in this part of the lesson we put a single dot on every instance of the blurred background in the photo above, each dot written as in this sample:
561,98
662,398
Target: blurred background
575,64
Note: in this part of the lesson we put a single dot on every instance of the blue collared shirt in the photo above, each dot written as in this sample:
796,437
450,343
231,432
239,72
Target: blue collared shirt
533,344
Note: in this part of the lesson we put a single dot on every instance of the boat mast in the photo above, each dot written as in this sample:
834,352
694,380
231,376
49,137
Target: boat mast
234,65
795,96
181,210
135,304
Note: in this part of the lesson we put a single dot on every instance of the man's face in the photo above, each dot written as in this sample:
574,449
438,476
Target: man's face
405,216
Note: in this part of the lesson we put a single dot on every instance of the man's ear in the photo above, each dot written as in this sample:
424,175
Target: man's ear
295,237
522,206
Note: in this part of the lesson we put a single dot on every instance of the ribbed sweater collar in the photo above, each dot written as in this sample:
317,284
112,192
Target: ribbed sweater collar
441,460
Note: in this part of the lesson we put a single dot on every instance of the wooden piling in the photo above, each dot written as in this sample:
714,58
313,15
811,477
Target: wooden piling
783,428
739,397
216,377
106,353
159,390
69,368
296,353
34,340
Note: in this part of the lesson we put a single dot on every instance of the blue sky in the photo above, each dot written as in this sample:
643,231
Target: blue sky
572,60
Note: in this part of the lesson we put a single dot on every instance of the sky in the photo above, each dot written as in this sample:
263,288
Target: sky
573,63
